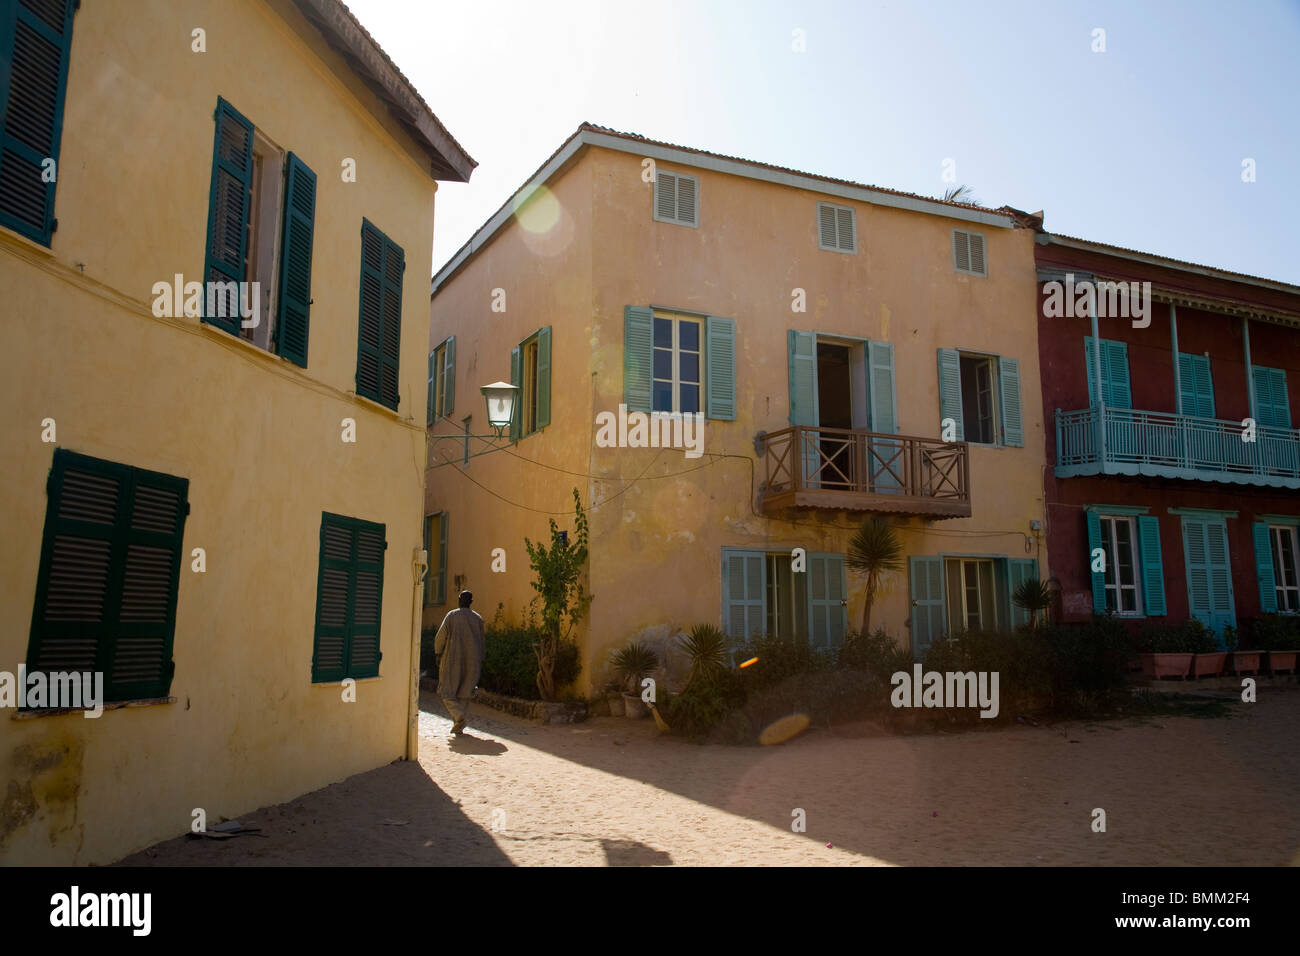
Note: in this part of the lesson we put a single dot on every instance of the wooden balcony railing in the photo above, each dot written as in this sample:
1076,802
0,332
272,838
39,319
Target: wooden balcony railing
1176,446
813,467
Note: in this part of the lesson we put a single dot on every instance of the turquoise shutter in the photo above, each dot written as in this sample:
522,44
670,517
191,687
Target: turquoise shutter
1153,573
1022,569
544,377
516,379
720,348
228,199
950,389
802,348
743,583
926,590
884,406
1272,406
294,308
827,613
1098,577
1198,577
1196,395
35,39
1264,567
638,356
380,318
1114,373
444,519
449,377
1009,381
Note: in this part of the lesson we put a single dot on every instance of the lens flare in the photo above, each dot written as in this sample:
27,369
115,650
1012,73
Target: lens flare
752,660
778,732
537,211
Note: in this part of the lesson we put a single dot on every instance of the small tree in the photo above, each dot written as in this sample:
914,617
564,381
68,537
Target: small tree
556,571
873,550
1035,597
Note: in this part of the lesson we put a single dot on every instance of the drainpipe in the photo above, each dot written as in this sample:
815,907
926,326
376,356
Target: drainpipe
1101,394
419,568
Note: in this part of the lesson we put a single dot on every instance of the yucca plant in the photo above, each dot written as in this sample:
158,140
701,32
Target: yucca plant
634,662
874,550
707,648
1033,596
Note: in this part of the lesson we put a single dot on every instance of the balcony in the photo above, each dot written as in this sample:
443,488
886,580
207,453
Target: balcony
1174,446
812,467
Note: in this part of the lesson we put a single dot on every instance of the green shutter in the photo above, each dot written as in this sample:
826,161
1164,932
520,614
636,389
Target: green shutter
427,541
443,521
1272,406
35,39
1114,373
516,379
744,576
433,384
1022,570
802,352
449,377
720,356
109,575
294,308
349,599
380,317
1009,382
1098,577
638,357
1264,567
1153,573
883,389
950,391
1196,395
827,613
228,201
926,590
544,377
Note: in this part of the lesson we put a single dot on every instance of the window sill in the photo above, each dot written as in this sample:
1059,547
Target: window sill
244,343
377,406
111,705
8,234
339,683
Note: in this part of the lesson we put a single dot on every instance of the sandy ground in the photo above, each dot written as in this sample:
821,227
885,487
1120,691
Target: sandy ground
1176,791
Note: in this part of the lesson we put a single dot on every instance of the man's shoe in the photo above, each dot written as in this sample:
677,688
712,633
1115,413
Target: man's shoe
458,727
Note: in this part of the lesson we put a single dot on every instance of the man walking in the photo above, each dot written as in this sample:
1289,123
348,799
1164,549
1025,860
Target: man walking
459,645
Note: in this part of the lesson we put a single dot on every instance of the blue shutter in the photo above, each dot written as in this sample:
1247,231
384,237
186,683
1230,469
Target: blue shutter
638,356
35,39
743,586
1009,380
1153,574
1022,569
1196,396
885,464
950,389
294,308
926,589
544,377
1098,577
449,376
1114,373
1209,577
1272,406
1264,568
802,350
228,200
827,611
720,356
516,379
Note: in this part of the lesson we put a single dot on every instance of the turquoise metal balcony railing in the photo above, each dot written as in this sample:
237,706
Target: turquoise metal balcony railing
1174,446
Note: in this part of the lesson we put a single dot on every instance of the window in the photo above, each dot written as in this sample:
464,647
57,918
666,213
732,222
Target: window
762,594
108,576
1272,407
1196,387
954,593
677,367
968,252
1115,383
530,371
981,394
972,602
435,545
784,599
1119,543
465,459
1286,560
349,592
836,228
442,380
261,220
35,39
675,198
380,322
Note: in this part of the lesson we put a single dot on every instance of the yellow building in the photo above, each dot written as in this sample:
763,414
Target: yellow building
214,430
825,331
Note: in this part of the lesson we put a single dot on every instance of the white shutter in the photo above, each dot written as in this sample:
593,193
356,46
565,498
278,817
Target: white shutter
826,238
665,196
976,253
686,200
845,217
961,250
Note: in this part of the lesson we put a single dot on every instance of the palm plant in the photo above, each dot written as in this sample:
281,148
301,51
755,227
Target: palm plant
960,194
707,647
874,550
1033,596
634,662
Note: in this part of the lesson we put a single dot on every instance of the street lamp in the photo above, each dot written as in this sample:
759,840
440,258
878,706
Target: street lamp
500,398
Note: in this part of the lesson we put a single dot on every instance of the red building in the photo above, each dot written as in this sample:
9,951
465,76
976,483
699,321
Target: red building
1172,487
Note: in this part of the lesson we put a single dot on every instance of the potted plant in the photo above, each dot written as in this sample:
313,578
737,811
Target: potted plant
614,697
1207,659
632,664
1163,651
1243,661
1281,637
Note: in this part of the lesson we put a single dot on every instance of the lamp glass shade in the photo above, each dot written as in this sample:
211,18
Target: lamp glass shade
500,398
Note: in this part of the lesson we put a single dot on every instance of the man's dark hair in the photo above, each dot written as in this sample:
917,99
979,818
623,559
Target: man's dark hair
466,598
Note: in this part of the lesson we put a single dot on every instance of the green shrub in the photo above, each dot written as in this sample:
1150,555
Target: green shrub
1187,637
1276,632
876,653
705,703
776,659
510,665
428,660
1087,659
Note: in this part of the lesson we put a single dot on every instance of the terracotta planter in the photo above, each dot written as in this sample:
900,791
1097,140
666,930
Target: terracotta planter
615,704
635,707
1209,665
1166,665
1281,662
1245,662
